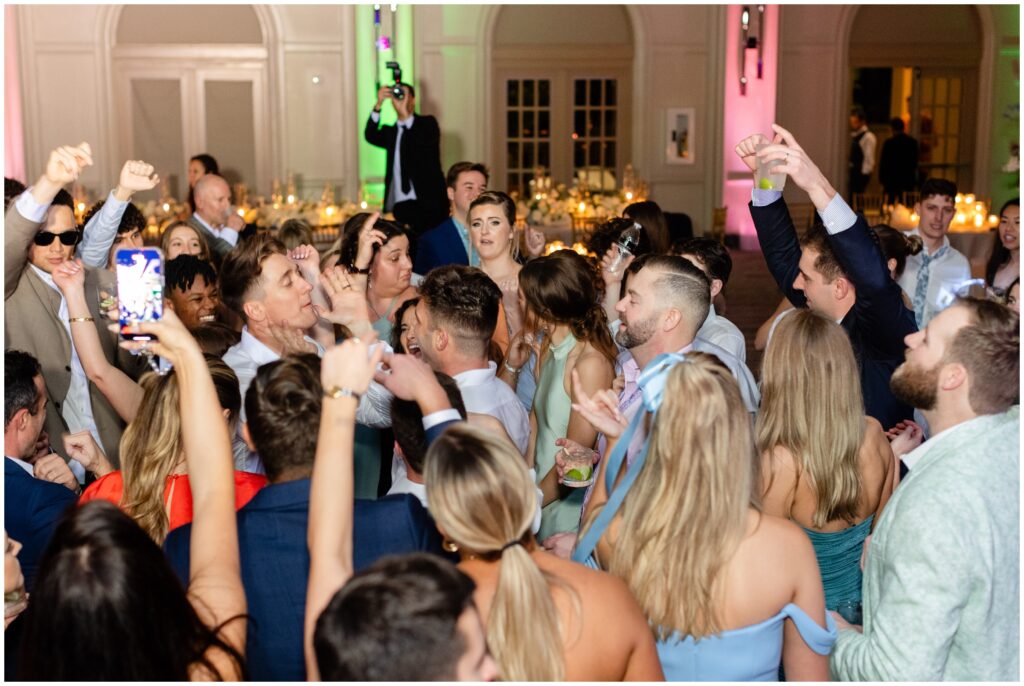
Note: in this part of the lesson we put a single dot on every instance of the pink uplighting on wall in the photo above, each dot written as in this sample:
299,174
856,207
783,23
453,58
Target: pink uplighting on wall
14,151
746,114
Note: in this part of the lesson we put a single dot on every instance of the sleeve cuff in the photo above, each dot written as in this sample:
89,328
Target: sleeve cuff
230,235
760,197
29,208
375,116
439,417
837,216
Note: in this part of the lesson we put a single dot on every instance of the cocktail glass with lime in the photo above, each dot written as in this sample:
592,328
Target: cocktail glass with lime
579,466
765,180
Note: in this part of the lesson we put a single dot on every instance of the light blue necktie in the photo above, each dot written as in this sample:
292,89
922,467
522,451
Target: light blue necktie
921,290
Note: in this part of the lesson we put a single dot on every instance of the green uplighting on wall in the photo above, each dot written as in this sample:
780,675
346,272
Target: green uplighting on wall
370,61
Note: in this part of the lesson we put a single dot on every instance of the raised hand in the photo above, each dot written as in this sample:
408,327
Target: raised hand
410,379
234,221
347,298
82,446
53,468
173,340
522,345
383,93
289,340
747,148
368,237
136,176
350,365
573,448
308,260
67,162
905,438
535,241
613,278
69,276
798,166
601,409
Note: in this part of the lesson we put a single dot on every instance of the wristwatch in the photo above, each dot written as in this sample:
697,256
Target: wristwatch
353,269
339,392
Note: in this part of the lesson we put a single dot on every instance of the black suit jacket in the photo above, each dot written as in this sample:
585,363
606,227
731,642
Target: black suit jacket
879,319
421,163
897,167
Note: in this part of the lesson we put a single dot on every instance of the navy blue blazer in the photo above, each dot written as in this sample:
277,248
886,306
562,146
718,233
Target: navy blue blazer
438,247
879,319
275,564
32,508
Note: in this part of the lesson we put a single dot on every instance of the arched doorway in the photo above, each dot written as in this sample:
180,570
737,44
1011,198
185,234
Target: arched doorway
931,77
191,79
558,98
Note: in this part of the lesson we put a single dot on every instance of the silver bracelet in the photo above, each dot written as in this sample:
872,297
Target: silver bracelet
514,370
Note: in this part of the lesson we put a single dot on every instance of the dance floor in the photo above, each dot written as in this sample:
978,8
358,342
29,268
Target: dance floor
751,297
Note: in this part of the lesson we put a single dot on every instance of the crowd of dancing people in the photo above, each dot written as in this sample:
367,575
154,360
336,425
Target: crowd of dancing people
443,455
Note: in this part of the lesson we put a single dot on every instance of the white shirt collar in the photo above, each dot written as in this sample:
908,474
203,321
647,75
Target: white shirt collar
202,221
258,351
406,123
24,465
945,239
476,377
47,278
406,485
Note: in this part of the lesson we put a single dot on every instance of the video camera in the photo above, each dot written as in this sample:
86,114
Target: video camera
396,73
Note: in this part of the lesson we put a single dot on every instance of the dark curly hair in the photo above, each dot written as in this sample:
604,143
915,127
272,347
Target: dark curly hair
350,237
181,272
561,288
131,220
607,234
464,301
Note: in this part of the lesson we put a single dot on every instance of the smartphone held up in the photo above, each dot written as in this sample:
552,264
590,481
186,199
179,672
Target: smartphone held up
140,289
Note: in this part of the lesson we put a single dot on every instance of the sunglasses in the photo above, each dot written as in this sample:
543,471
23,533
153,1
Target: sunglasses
45,238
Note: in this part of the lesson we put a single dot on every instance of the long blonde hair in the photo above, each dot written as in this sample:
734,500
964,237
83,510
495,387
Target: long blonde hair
811,405
482,496
687,511
151,446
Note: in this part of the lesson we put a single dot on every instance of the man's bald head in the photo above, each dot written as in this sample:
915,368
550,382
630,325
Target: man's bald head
213,199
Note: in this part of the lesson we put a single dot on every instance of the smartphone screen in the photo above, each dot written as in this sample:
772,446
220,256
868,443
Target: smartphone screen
140,289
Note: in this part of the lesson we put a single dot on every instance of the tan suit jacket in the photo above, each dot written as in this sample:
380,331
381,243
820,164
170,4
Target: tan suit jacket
32,324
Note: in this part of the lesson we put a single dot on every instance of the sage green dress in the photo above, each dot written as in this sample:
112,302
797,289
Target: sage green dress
552,406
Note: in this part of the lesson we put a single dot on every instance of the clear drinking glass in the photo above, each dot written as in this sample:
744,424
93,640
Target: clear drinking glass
579,466
765,180
107,297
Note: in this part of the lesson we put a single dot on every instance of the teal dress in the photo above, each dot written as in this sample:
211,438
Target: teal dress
838,554
552,407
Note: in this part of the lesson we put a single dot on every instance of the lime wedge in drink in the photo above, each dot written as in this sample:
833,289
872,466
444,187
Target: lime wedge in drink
579,473
766,184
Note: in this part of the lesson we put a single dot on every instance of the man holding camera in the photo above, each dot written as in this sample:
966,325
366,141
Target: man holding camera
414,187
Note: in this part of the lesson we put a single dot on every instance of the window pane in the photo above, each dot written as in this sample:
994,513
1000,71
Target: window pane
580,123
595,92
513,124
594,123
544,154
580,98
513,182
951,149
609,155
513,155
528,157
513,93
543,124
954,91
941,86
940,121
609,122
544,92
954,121
609,91
927,91
579,154
528,130
528,93
594,154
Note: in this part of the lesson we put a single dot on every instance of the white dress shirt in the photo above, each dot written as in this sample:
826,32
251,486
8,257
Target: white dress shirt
484,393
405,485
224,232
946,274
868,143
723,333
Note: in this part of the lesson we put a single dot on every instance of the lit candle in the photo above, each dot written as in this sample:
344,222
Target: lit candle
959,198
240,212
583,207
363,205
969,199
167,207
979,220
914,218
291,199
629,195
993,220
961,218
331,209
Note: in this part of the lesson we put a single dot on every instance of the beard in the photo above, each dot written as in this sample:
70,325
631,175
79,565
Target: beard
915,386
636,333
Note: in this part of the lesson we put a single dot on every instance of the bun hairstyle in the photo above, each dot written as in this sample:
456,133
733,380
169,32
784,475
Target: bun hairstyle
483,498
561,288
898,245
350,237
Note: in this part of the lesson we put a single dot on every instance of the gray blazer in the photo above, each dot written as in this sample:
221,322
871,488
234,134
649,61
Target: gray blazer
218,246
32,324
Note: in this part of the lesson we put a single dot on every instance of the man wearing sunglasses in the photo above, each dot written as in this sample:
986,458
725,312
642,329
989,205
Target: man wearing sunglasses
39,235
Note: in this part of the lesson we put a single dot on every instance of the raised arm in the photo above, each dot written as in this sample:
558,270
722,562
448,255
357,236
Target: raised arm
374,133
215,581
101,231
345,373
23,217
118,388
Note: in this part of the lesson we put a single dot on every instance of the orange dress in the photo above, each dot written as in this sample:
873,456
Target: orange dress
177,494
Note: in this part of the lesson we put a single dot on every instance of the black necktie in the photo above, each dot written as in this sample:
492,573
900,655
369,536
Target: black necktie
406,183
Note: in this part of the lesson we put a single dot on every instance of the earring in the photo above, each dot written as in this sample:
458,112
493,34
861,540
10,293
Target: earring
450,546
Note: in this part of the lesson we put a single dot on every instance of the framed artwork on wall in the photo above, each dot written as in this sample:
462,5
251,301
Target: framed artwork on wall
679,136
